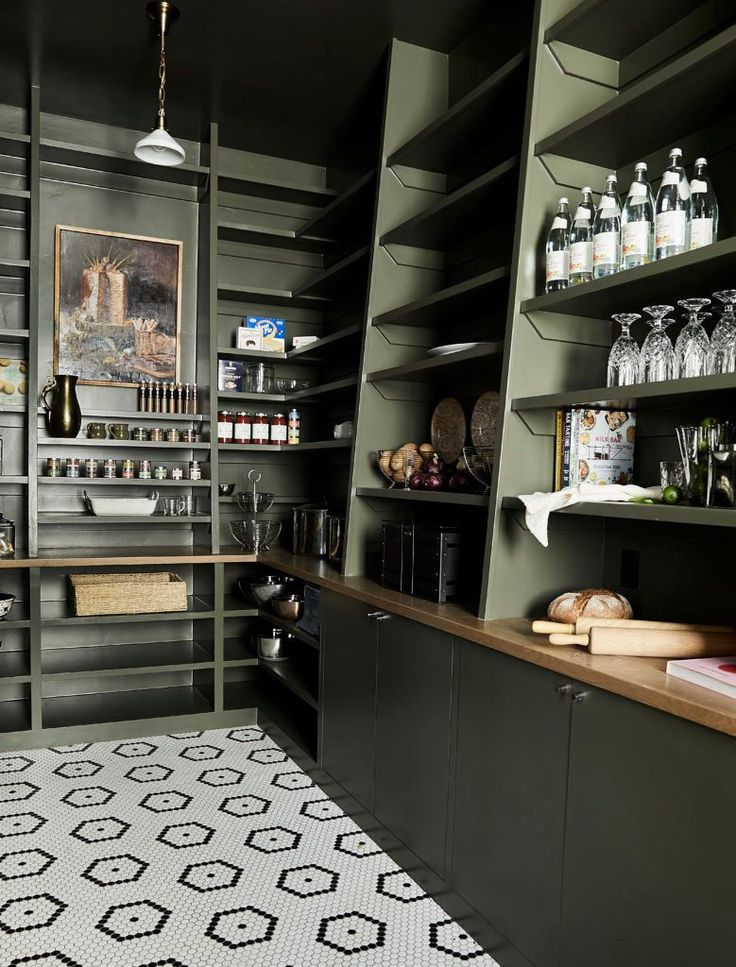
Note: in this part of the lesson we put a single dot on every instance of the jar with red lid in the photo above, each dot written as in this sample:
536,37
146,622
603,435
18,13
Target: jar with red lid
261,428
279,426
225,424
243,428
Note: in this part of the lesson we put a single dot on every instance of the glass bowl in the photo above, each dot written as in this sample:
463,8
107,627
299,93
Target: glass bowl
254,503
290,384
255,535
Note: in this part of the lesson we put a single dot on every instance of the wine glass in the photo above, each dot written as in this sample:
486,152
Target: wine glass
692,345
623,360
657,360
722,356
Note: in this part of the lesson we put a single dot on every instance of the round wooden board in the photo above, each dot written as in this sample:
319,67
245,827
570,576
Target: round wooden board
484,419
449,429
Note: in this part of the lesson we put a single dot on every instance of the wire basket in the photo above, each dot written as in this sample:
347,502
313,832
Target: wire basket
479,462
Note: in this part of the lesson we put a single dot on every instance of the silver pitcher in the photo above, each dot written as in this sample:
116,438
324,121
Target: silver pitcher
311,530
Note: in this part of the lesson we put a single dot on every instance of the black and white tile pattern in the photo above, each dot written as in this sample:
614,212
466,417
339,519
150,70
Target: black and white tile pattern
199,850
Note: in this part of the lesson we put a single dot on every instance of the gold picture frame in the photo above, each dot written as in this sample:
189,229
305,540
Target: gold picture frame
117,306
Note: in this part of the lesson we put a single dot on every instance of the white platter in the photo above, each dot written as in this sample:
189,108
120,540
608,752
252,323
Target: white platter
453,347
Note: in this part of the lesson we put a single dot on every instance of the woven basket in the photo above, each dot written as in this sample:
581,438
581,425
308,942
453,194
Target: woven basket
127,593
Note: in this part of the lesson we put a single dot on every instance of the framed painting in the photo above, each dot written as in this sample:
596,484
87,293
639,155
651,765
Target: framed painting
117,306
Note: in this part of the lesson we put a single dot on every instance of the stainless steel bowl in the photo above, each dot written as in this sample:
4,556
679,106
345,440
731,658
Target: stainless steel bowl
225,489
269,587
288,607
273,645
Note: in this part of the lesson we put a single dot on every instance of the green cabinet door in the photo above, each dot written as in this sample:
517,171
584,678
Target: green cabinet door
413,728
510,786
348,694
650,850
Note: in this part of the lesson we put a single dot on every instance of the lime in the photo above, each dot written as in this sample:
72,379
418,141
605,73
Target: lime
709,421
671,495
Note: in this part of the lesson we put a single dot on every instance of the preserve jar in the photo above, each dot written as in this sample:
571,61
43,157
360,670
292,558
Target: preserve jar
243,429
278,429
261,428
224,426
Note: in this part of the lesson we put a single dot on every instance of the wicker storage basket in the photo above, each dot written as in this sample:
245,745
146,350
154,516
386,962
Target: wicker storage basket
128,593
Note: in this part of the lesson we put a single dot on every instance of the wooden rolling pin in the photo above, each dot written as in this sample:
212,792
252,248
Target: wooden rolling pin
660,643
583,625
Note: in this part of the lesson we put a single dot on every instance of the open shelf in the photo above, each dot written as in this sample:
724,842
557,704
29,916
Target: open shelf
121,659
640,120
19,618
663,513
348,274
118,482
304,395
462,300
286,448
14,268
15,716
664,395
137,415
14,145
425,496
346,207
298,675
297,719
459,214
59,613
125,706
236,607
9,478
236,292
456,134
118,162
14,199
254,234
319,345
290,626
13,335
426,370
703,271
237,654
276,189
74,518
117,444
15,667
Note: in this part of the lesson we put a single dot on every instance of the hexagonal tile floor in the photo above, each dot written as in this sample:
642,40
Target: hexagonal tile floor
208,848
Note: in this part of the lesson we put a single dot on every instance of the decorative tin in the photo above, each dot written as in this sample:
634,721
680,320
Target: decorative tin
109,469
159,472
91,467
53,467
177,473
71,467
128,469
144,470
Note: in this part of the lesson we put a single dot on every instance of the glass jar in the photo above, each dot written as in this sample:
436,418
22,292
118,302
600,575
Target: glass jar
91,468
109,469
7,537
53,466
243,429
160,472
71,467
145,471
225,426
278,429
258,378
177,473
294,427
195,470
261,428
127,469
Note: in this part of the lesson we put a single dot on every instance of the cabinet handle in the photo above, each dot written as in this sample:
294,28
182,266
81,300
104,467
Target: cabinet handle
563,689
580,696
378,615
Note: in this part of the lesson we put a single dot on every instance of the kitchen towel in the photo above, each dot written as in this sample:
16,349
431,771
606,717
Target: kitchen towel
540,505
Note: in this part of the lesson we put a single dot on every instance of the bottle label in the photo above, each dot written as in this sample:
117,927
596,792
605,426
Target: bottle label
243,433
701,232
670,229
278,433
605,248
260,432
293,434
582,215
698,187
581,257
638,191
671,177
224,431
635,238
559,222
607,201
558,266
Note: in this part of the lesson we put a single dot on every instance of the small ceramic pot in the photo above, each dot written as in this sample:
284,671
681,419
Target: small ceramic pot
118,431
96,431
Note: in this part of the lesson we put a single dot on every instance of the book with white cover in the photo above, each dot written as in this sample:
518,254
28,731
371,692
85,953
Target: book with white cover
718,674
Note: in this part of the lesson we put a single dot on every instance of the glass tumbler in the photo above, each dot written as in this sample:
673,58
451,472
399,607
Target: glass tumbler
258,378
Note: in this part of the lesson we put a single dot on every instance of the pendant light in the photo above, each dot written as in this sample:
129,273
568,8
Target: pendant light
158,147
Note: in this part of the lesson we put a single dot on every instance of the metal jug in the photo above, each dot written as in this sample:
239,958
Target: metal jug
311,531
63,415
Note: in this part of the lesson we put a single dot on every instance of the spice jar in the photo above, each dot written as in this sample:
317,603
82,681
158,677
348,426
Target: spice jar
195,470
159,472
261,428
53,467
90,468
243,429
109,469
127,469
144,470
177,473
173,435
225,426
188,436
156,435
294,427
278,429
71,468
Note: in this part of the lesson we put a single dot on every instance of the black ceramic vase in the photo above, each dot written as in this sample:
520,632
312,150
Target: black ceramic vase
63,415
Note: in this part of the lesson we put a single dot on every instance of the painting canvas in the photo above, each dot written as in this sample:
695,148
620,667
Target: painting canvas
117,306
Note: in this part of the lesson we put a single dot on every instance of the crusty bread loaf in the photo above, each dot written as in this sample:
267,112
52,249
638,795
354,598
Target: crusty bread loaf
591,603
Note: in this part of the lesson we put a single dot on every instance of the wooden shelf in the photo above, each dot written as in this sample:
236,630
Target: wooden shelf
15,667
59,613
661,513
14,145
136,416
460,214
304,395
253,234
124,706
468,124
236,292
425,496
14,199
90,482
290,626
19,619
348,274
705,270
640,120
126,658
468,299
236,607
73,519
295,718
118,162
345,208
15,716
426,370
296,675
286,448
237,654
276,189
668,394
14,268
8,335
319,345
9,478
117,444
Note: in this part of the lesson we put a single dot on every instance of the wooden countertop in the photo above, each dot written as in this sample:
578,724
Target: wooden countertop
640,679
113,556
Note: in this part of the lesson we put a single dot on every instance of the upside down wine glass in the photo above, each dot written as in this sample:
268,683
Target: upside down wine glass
722,356
623,360
657,361
693,345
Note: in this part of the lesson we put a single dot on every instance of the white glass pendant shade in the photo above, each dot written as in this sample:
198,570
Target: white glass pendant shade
159,148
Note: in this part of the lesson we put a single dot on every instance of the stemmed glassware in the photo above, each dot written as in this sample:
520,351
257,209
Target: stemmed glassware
722,356
693,345
623,360
657,361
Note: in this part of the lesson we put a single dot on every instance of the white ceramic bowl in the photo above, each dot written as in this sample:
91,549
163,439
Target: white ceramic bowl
122,506
6,603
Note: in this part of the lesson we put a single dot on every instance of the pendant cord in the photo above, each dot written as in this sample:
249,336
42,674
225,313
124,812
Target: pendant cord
162,83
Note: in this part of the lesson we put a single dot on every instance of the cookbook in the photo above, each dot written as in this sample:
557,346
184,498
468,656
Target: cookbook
594,446
718,674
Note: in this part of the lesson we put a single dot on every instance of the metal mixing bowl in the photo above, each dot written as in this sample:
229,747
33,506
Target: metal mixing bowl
288,607
262,590
273,644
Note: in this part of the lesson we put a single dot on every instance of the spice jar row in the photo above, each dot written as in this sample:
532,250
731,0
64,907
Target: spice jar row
120,469
155,396
258,428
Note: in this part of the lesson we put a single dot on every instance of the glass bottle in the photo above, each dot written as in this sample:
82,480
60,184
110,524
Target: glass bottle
557,262
607,232
637,221
703,208
672,214
581,240
7,537
294,428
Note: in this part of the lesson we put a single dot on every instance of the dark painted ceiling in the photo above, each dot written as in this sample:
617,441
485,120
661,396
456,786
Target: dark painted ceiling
279,75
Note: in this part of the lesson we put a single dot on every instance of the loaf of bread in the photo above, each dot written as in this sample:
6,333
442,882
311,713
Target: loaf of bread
592,603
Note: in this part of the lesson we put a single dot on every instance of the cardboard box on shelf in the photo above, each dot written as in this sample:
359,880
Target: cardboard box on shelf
273,332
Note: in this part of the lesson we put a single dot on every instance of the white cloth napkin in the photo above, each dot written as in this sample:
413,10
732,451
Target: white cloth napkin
540,505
